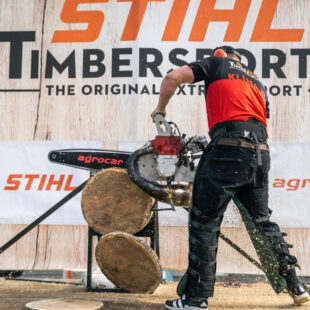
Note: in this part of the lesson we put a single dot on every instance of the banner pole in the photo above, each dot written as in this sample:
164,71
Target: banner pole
243,253
42,217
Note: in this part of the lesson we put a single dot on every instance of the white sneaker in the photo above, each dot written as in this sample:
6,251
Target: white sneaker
299,294
188,303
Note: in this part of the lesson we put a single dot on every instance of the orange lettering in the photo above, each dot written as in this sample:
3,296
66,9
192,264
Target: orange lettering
70,14
68,184
175,21
51,182
293,184
278,183
262,31
304,182
40,187
206,14
134,19
13,182
30,178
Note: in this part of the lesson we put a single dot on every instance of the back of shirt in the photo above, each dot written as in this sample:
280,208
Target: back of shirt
233,92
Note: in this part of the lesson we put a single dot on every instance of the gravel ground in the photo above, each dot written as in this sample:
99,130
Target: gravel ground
16,294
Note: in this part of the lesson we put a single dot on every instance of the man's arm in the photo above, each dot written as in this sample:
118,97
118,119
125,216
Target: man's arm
168,86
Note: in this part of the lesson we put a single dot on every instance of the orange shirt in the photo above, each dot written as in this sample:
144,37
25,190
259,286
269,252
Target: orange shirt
233,92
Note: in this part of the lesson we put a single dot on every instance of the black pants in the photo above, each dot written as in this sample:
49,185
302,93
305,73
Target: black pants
226,171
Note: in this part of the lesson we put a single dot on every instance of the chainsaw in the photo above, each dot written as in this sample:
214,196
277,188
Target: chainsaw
165,167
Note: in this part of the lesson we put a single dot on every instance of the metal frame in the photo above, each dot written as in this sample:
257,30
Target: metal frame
42,217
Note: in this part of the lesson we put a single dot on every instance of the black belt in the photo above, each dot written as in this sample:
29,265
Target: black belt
240,142
237,136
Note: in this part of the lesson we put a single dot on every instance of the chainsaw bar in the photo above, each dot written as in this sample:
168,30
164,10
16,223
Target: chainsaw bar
89,159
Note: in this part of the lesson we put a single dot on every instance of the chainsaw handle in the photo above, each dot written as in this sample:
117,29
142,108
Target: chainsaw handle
160,120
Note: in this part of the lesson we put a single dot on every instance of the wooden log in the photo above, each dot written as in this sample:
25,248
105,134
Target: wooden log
112,202
128,262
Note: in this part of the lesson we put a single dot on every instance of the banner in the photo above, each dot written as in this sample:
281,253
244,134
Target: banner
30,184
289,184
99,63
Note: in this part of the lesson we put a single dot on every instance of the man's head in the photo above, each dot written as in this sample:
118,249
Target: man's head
230,51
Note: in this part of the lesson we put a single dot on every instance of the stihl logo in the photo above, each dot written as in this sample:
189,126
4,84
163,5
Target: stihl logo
292,184
39,182
100,160
205,14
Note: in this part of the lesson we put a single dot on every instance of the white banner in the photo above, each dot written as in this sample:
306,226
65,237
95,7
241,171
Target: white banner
30,184
289,184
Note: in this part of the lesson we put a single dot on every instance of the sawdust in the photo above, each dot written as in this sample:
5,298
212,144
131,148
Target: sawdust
15,294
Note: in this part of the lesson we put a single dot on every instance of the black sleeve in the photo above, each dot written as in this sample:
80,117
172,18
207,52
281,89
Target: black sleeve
204,68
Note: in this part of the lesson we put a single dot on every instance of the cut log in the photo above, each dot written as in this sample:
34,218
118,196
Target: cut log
128,262
112,202
64,304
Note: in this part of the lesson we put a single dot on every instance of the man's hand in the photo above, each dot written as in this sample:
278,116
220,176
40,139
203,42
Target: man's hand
158,111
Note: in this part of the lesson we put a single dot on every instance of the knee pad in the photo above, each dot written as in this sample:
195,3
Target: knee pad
204,233
281,248
203,240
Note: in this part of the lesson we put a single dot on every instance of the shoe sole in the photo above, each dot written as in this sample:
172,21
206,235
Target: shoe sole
303,298
187,308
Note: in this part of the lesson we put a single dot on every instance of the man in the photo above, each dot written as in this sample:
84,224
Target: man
235,164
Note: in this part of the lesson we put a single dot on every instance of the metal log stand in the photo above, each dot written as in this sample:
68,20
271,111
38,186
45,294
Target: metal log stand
92,160
42,217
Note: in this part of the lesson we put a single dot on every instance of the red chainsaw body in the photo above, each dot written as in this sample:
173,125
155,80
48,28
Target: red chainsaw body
167,145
